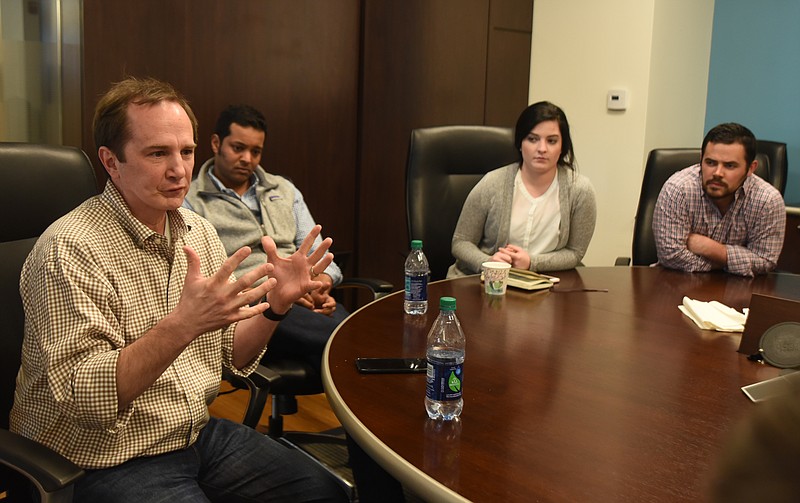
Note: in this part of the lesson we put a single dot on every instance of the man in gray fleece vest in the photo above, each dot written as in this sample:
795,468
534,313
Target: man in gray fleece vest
244,203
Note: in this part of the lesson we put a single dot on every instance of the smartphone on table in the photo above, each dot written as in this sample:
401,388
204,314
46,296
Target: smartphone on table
391,365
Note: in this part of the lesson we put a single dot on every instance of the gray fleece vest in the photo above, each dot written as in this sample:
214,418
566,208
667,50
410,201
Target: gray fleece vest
236,224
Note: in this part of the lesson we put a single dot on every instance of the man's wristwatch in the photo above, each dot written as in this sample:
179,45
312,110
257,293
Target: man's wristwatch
272,315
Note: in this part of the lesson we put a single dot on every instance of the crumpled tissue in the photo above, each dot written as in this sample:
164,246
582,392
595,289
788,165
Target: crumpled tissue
714,315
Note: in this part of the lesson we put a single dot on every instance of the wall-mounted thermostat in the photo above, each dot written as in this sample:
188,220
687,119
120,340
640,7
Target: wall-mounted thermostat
617,99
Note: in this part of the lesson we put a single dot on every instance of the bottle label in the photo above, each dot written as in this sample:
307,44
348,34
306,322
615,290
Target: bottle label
444,380
417,288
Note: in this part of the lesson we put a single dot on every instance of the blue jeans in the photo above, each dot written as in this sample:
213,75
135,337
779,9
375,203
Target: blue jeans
228,463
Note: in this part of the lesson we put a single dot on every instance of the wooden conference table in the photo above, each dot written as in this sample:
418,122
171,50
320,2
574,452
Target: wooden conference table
569,395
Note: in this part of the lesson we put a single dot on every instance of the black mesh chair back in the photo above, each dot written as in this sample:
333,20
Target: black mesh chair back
444,164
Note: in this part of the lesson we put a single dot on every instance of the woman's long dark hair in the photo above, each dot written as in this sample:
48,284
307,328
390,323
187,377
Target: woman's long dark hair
540,112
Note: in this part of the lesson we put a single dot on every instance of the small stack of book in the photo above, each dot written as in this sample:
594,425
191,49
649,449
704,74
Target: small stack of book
529,280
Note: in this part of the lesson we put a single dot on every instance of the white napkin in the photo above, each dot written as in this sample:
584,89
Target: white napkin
713,315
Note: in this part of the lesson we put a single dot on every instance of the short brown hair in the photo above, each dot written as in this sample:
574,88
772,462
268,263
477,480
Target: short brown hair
730,133
110,123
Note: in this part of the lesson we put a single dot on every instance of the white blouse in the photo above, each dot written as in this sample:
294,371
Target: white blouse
535,221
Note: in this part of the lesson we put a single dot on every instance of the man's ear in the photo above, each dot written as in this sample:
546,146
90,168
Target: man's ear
215,143
109,161
753,167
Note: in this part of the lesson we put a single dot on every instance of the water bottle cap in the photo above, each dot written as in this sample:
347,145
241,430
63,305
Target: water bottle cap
416,244
447,303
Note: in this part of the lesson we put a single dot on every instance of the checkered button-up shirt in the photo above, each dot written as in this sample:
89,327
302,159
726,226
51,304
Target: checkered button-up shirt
96,281
752,229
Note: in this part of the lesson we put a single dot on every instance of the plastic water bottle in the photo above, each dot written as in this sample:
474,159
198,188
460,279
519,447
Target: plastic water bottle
417,270
445,353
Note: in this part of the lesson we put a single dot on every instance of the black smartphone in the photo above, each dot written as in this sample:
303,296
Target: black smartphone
391,365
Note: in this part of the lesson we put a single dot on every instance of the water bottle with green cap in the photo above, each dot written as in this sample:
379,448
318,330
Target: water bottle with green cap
417,271
445,354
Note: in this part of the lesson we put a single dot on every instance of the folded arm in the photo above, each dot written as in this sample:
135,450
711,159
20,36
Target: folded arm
680,248
764,242
671,230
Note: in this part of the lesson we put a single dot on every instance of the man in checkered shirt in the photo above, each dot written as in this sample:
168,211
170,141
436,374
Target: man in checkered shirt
131,312
717,214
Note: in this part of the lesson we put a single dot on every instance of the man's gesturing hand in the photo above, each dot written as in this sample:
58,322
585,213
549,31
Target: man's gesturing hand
210,303
294,272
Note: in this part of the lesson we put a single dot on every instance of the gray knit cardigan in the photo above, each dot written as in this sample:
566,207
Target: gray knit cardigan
486,218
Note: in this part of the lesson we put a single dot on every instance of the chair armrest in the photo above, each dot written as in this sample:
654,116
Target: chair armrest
261,378
258,383
378,287
47,469
264,377
623,261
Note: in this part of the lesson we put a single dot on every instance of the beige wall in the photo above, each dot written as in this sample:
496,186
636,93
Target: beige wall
679,67
658,50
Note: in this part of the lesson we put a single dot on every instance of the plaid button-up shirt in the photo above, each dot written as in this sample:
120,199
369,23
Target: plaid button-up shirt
96,281
752,229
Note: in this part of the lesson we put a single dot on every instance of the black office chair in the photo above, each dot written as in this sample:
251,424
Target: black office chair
43,183
663,163
444,164
286,378
777,162
40,184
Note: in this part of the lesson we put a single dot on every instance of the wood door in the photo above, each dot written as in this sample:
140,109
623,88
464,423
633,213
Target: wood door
429,63
296,61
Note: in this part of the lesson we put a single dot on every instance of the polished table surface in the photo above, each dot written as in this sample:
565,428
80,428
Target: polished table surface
574,394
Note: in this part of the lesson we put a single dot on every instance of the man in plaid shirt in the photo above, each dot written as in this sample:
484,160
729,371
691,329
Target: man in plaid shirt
716,214
131,312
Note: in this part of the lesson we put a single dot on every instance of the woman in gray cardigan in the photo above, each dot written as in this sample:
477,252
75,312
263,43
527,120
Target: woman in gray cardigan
538,213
